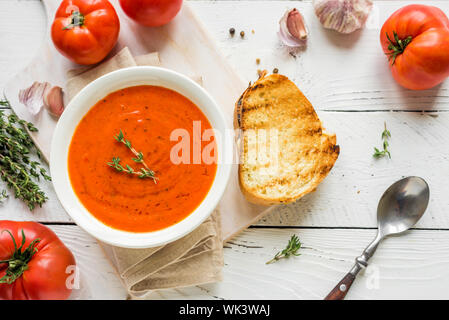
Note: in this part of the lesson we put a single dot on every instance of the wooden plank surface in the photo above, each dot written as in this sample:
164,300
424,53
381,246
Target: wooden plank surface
97,278
24,23
354,105
413,266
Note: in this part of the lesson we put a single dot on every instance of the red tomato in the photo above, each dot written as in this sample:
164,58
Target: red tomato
85,31
416,41
151,13
35,266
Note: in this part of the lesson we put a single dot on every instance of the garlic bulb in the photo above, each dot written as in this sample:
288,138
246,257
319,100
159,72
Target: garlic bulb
292,29
344,16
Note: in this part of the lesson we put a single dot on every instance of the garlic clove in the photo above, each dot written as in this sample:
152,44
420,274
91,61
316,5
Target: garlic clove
32,97
293,31
344,16
54,101
296,25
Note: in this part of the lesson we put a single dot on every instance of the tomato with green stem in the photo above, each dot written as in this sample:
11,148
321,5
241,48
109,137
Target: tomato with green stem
34,263
85,31
415,39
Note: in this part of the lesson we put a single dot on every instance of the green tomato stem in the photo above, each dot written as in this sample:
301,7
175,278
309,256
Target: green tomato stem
397,46
77,20
18,263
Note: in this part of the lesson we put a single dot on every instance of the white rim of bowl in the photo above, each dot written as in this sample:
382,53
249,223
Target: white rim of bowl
65,129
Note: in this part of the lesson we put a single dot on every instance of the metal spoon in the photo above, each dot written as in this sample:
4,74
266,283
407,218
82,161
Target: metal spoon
399,209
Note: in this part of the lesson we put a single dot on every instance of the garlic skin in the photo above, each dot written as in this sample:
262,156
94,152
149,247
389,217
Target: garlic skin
344,16
54,101
293,31
32,97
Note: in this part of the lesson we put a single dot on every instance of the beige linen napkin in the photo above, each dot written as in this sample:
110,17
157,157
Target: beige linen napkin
195,259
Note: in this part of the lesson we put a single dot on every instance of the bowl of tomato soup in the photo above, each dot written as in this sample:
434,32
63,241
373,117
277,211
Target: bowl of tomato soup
139,157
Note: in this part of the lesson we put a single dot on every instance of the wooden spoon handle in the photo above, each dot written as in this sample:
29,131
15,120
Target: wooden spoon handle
342,288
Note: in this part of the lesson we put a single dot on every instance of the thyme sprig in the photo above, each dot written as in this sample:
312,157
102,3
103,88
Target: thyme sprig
291,250
385,135
143,172
16,168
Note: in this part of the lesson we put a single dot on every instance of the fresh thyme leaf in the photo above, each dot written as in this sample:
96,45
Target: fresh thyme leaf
386,133
291,250
115,163
4,103
119,137
378,153
146,173
16,168
385,152
139,158
3,195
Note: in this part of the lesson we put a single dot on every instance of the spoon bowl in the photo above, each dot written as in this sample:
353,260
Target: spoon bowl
402,205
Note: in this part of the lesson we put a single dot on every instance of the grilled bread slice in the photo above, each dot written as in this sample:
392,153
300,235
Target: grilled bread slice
284,153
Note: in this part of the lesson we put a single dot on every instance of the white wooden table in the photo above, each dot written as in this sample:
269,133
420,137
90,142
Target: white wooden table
348,82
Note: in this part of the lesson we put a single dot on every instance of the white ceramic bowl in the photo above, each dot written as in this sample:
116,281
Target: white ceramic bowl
81,104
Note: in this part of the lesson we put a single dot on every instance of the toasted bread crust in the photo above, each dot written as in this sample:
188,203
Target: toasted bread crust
274,102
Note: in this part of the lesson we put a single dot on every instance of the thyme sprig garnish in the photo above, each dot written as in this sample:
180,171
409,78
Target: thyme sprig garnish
143,172
16,168
385,135
291,250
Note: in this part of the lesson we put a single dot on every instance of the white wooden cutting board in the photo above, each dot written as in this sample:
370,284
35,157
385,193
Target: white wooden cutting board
184,45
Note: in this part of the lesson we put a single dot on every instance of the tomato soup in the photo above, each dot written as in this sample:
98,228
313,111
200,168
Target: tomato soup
147,116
